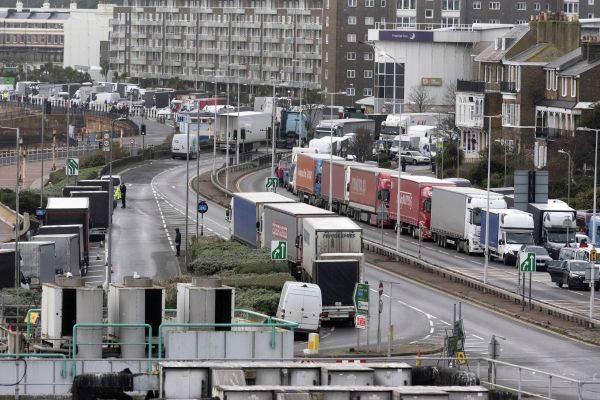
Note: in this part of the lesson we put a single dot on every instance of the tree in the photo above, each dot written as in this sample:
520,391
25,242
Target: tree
176,83
450,95
420,99
452,155
104,67
361,145
313,110
591,118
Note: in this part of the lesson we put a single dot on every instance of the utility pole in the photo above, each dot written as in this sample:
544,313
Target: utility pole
214,132
187,196
391,326
227,139
237,136
379,311
273,107
17,220
197,169
42,142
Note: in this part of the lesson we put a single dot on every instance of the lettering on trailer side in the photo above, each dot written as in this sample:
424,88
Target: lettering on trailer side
406,199
279,231
305,173
339,235
358,185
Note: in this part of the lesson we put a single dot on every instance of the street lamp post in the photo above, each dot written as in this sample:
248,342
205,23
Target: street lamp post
17,221
42,160
108,274
273,107
568,154
331,148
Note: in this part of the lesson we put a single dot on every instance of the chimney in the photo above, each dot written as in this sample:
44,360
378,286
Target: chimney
19,6
590,49
563,34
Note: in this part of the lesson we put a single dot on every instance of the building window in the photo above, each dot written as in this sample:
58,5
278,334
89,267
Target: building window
407,4
450,21
383,3
350,73
521,22
368,57
590,15
384,83
326,25
351,20
571,7
591,2
369,3
450,5
326,77
326,42
406,22
429,13
521,6
549,79
573,87
537,6
369,21
368,74
477,5
564,87
351,3
349,92
351,38
350,56
368,91
494,5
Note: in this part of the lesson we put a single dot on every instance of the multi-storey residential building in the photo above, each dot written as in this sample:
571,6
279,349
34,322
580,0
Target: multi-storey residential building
347,59
260,42
435,13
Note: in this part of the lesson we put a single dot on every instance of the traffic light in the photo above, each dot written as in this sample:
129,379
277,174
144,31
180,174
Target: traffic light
143,130
243,133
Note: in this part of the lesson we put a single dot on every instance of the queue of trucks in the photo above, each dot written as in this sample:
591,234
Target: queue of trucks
61,244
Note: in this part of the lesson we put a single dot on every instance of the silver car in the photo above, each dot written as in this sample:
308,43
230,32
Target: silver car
414,157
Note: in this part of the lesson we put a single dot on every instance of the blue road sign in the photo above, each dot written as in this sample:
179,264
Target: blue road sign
202,207
40,212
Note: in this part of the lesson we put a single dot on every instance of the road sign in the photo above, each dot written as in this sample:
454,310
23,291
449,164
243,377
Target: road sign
360,321
461,359
593,255
361,298
72,166
271,183
91,138
202,207
278,250
527,262
40,212
380,289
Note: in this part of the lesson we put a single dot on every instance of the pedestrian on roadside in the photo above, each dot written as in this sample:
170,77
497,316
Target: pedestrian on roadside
116,196
123,189
403,163
177,241
280,176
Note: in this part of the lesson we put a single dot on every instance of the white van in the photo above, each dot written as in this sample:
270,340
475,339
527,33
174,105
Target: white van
301,303
179,143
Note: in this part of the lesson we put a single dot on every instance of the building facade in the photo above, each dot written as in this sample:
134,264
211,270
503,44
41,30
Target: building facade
259,42
347,58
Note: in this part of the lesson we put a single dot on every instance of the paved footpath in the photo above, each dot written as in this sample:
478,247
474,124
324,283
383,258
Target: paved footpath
32,174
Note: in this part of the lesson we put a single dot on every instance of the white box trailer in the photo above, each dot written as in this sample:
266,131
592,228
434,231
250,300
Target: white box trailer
284,222
37,260
66,251
331,258
246,128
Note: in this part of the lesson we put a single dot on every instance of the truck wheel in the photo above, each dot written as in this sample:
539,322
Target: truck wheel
415,233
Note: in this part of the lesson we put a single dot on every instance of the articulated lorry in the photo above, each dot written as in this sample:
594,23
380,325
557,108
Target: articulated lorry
99,211
509,230
246,129
332,258
308,175
456,216
71,211
555,225
340,193
369,194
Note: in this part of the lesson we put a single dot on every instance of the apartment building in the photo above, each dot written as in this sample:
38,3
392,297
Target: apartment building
347,59
259,42
437,13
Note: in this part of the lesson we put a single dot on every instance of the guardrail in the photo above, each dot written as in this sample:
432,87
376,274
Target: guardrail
474,283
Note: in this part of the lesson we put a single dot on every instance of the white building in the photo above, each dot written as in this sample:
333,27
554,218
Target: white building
427,60
86,38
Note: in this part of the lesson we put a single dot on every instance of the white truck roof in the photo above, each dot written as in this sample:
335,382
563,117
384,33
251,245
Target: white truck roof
245,113
469,191
67,203
422,179
298,209
553,205
263,197
332,224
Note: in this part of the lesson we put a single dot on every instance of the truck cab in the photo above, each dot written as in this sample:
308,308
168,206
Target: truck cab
555,225
509,231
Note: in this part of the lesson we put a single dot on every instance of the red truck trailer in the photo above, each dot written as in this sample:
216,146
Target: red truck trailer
308,176
369,194
415,195
339,190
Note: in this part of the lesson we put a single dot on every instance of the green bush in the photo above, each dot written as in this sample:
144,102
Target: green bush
29,200
261,300
265,281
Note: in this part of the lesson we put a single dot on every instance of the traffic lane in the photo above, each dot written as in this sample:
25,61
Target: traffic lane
170,185
156,132
498,274
139,243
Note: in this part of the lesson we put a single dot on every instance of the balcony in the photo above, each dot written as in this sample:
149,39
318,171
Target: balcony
470,86
551,133
508,87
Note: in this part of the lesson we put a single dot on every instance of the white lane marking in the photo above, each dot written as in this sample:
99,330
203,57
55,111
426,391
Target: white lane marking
479,337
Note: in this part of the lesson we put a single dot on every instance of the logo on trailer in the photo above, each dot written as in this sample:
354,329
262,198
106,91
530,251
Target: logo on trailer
358,185
279,231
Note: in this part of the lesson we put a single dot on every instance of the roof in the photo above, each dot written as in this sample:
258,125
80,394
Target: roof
36,14
298,209
557,104
555,205
579,68
68,203
46,237
469,191
494,54
566,60
261,197
538,54
423,179
332,224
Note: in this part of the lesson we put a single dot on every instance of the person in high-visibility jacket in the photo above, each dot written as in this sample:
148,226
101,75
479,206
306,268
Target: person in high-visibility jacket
117,196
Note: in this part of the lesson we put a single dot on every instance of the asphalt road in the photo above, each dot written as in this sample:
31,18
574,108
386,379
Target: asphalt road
498,273
420,314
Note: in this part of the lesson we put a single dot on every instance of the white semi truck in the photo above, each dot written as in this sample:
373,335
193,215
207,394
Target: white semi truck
555,225
456,216
509,230
246,129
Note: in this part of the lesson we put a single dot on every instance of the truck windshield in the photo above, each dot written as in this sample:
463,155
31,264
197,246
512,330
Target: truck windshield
561,236
390,130
519,238
579,266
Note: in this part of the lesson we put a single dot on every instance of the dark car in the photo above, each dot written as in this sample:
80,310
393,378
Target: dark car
571,273
542,258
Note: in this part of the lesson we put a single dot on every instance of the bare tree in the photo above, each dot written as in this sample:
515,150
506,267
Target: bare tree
362,145
420,99
450,95
313,110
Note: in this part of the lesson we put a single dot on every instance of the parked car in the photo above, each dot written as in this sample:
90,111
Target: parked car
414,157
542,258
301,303
571,273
